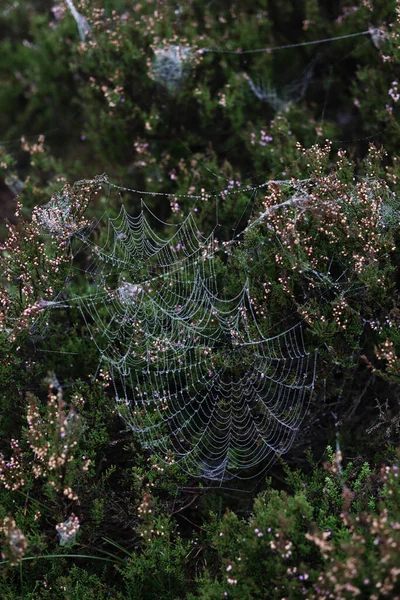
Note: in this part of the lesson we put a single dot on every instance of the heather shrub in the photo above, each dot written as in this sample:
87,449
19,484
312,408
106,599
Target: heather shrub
316,542
289,156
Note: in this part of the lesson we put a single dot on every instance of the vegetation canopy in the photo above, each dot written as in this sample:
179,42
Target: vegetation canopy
199,300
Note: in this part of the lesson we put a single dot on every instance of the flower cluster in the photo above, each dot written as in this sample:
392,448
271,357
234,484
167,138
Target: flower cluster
52,437
386,351
33,267
349,574
327,225
263,139
15,541
36,148
394,91
11,470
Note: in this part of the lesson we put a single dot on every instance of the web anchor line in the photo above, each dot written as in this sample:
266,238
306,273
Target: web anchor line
371,31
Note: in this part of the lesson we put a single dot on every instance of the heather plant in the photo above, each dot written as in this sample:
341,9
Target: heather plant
15,542
337,195
31,71
264,123
33,268
333,260
44,458
315,543
111,90
343,208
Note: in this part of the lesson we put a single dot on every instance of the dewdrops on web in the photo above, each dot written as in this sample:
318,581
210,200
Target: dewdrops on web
289,94
81,22
165,324
389,214
62,215
267,93
170,65
55,216
378,36
129,292
67,530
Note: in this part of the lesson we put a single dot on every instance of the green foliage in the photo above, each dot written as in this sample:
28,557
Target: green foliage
294,546
159,569
149,98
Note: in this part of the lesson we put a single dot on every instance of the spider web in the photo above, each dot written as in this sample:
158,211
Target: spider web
193,375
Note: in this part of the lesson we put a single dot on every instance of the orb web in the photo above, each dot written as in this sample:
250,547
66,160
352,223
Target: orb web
193,375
